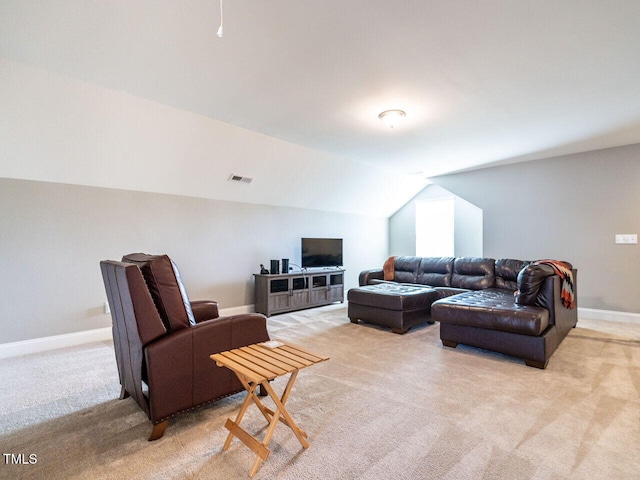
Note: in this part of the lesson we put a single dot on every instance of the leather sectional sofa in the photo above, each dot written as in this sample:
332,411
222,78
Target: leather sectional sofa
510,306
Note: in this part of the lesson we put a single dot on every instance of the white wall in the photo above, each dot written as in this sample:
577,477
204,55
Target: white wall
402,231
468,229
57,129
53,237
467,224
88,173
568,208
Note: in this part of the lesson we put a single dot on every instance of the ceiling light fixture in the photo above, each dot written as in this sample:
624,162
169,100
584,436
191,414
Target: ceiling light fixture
219,32
392,118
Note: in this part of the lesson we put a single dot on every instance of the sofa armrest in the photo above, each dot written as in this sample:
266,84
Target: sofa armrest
367,275
204,310
549,297
530,281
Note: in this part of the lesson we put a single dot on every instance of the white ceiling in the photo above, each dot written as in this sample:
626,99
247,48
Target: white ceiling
481,81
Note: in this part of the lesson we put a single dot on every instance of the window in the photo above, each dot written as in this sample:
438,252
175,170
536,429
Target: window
435,227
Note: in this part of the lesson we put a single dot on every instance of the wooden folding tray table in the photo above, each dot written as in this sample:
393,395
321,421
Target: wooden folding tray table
256,365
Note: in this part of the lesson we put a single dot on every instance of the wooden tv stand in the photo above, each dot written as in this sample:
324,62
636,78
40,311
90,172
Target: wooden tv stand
286,292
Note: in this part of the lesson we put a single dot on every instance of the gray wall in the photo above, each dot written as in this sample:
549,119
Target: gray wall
468,229
53,235
569,208
467,224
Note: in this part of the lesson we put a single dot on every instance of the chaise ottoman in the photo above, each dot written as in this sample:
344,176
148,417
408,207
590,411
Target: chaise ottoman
398,306
491,319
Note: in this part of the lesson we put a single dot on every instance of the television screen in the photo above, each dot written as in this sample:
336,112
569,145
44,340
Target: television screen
321,252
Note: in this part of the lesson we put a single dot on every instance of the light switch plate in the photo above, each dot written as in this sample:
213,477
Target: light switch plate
626,238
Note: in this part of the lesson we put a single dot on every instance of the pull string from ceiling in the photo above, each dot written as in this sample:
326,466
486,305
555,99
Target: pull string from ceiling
220,31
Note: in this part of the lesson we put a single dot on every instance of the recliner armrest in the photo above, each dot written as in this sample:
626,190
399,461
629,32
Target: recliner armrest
204,310
180,371
218,335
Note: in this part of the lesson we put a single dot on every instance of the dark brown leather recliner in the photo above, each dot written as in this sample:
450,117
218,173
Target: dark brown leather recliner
163,341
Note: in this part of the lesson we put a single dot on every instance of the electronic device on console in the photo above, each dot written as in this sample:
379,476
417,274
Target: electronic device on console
321,252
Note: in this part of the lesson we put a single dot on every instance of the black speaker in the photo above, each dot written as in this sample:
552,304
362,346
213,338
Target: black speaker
285,267
275,267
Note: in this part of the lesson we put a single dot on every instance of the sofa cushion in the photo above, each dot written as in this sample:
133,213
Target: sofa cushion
473,273
166,287
444,292
406,269
435,271
493,309
507,270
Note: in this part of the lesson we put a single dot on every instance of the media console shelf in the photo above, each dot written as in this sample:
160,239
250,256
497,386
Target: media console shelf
286,292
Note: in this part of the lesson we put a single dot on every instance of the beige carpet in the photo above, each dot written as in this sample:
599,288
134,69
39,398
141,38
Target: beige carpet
384,407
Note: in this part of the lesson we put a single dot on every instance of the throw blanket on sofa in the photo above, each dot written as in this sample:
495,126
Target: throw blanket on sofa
560,268
388,269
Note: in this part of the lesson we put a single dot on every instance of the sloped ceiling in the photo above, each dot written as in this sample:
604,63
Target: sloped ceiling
482,82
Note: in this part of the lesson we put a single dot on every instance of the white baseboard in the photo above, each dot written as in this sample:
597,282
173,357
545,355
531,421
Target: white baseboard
43,344
608,315
225,312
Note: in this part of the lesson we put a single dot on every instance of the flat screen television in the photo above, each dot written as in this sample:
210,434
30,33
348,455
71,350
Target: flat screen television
321,252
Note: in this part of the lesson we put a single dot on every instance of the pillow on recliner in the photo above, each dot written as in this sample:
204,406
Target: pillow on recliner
166,287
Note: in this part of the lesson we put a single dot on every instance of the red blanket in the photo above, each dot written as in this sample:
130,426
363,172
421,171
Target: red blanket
561,269
388,269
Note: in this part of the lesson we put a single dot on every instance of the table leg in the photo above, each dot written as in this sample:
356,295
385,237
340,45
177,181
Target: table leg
300,434
250,389
273,417
265,441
